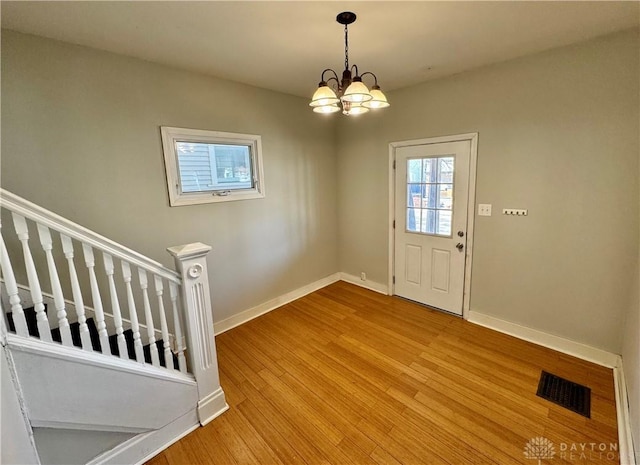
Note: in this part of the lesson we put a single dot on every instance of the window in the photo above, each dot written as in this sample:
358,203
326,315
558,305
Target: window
210,166
430,195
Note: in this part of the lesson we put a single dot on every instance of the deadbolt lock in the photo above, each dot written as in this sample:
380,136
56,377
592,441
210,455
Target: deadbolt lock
460,233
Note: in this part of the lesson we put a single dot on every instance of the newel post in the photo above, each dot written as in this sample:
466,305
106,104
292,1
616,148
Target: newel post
191,263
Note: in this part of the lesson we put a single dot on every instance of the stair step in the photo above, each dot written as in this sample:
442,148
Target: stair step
32,326
128,336
75,334
131,351
30,317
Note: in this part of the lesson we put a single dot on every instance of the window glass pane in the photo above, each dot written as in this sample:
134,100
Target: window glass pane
445,196
233,165
429,172
414,170
444,222
430,196
414,195
413,219
211,167
429,221
195,166
445,169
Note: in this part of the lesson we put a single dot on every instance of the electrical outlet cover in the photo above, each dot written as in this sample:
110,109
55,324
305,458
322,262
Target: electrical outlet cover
484,209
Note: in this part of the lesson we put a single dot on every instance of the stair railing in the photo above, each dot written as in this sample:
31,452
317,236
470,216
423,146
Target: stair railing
188,296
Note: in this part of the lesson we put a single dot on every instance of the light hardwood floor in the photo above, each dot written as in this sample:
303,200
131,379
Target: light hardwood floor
349,376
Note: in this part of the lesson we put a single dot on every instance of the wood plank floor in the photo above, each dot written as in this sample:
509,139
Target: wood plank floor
349,376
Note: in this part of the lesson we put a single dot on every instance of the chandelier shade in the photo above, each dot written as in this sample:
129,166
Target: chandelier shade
326,108
378,99
356,92
349,93
324,96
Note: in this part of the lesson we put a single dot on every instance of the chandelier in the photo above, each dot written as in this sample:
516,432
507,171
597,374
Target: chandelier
350,93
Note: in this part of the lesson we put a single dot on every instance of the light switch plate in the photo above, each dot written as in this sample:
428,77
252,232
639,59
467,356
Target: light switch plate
484,209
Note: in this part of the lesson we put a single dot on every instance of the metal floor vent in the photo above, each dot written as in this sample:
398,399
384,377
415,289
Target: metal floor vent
567,394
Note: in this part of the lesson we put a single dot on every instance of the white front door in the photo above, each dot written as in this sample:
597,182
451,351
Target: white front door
431,200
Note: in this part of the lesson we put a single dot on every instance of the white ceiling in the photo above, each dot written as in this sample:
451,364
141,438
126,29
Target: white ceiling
284,46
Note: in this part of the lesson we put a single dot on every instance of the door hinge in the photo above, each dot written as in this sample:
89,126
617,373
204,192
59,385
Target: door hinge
394,224
394,280
394,164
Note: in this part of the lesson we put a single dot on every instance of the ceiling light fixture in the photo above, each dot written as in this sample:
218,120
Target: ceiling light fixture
350,93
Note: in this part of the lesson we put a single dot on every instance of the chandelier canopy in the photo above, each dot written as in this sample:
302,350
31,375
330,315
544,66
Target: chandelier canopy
348,94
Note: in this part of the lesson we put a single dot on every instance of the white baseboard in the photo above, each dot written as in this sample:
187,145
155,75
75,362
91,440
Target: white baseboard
266,307
212,406
566,346
371,285
625,439
143,447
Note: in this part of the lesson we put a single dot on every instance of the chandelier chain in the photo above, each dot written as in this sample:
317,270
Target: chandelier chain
346,47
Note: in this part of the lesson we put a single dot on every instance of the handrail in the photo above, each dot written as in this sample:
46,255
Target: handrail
43,216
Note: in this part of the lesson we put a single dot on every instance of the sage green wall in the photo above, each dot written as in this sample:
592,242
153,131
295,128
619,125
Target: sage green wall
558,135
81,137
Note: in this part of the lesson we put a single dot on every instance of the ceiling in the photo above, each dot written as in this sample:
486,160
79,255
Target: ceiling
284,46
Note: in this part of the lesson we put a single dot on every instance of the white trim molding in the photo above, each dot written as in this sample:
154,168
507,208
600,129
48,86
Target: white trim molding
143,447
566,346
254,312
625,438
212,406
371,285
17,443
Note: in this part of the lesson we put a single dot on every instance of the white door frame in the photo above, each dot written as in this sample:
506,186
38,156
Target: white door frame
473,138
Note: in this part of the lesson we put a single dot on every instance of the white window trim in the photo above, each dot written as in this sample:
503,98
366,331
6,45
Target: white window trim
170,135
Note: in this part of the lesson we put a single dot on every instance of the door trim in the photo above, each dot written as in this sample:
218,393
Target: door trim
473,161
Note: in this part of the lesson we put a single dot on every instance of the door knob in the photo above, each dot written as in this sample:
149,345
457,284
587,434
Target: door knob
459,246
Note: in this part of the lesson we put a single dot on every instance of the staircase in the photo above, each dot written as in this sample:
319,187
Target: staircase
89,379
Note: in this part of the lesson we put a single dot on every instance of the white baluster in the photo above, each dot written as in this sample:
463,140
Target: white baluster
97,300
56,289
12,290
164,329
115,306
85,336
20,224
151,331
173,292
133,315
3,327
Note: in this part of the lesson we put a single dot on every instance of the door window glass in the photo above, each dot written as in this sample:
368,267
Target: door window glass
430,195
